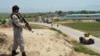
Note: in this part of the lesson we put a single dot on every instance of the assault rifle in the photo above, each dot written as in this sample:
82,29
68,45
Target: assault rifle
26,23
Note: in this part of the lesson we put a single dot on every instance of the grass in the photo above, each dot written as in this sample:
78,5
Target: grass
80,48
58,31
30,19
77,46
92,28
36,26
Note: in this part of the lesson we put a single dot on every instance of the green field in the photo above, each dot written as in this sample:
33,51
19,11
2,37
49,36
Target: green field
30,19
92,28
80,48
36,26
60,32
77,46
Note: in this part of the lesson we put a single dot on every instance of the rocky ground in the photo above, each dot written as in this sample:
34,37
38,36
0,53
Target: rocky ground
42,42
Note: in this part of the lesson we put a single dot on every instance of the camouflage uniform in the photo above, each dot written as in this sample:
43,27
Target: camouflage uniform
17,27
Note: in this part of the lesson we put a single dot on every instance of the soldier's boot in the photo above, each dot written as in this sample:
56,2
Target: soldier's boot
14,53
23,54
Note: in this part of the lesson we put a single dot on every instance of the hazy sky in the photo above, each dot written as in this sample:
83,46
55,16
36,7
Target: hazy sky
49,5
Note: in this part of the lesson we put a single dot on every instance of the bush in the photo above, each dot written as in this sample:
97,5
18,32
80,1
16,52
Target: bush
0,20
3,21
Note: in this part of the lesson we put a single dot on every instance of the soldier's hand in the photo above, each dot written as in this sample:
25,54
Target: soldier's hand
23,24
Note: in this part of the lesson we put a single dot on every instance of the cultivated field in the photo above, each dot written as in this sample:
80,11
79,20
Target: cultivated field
93,27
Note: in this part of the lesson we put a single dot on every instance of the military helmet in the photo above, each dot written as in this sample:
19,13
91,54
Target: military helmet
15,7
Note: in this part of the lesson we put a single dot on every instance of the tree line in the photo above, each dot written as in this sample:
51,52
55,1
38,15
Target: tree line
51,14
61,13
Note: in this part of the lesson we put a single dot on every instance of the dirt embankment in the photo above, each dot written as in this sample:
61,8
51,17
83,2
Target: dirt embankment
42,42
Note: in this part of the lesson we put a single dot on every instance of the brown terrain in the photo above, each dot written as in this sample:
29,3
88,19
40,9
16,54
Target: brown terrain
42,42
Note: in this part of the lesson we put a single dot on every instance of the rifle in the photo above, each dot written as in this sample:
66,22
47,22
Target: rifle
26,23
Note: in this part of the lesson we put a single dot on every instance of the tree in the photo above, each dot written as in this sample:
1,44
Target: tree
60,13
84,12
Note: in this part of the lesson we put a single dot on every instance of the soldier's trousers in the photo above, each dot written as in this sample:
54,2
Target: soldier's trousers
18,40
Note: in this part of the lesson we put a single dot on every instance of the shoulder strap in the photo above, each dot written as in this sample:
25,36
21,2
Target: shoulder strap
13,22
17,16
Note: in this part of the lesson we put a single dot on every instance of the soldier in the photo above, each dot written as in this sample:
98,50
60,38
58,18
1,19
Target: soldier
17,28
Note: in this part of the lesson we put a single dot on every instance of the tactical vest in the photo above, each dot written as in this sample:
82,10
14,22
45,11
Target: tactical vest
12,20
